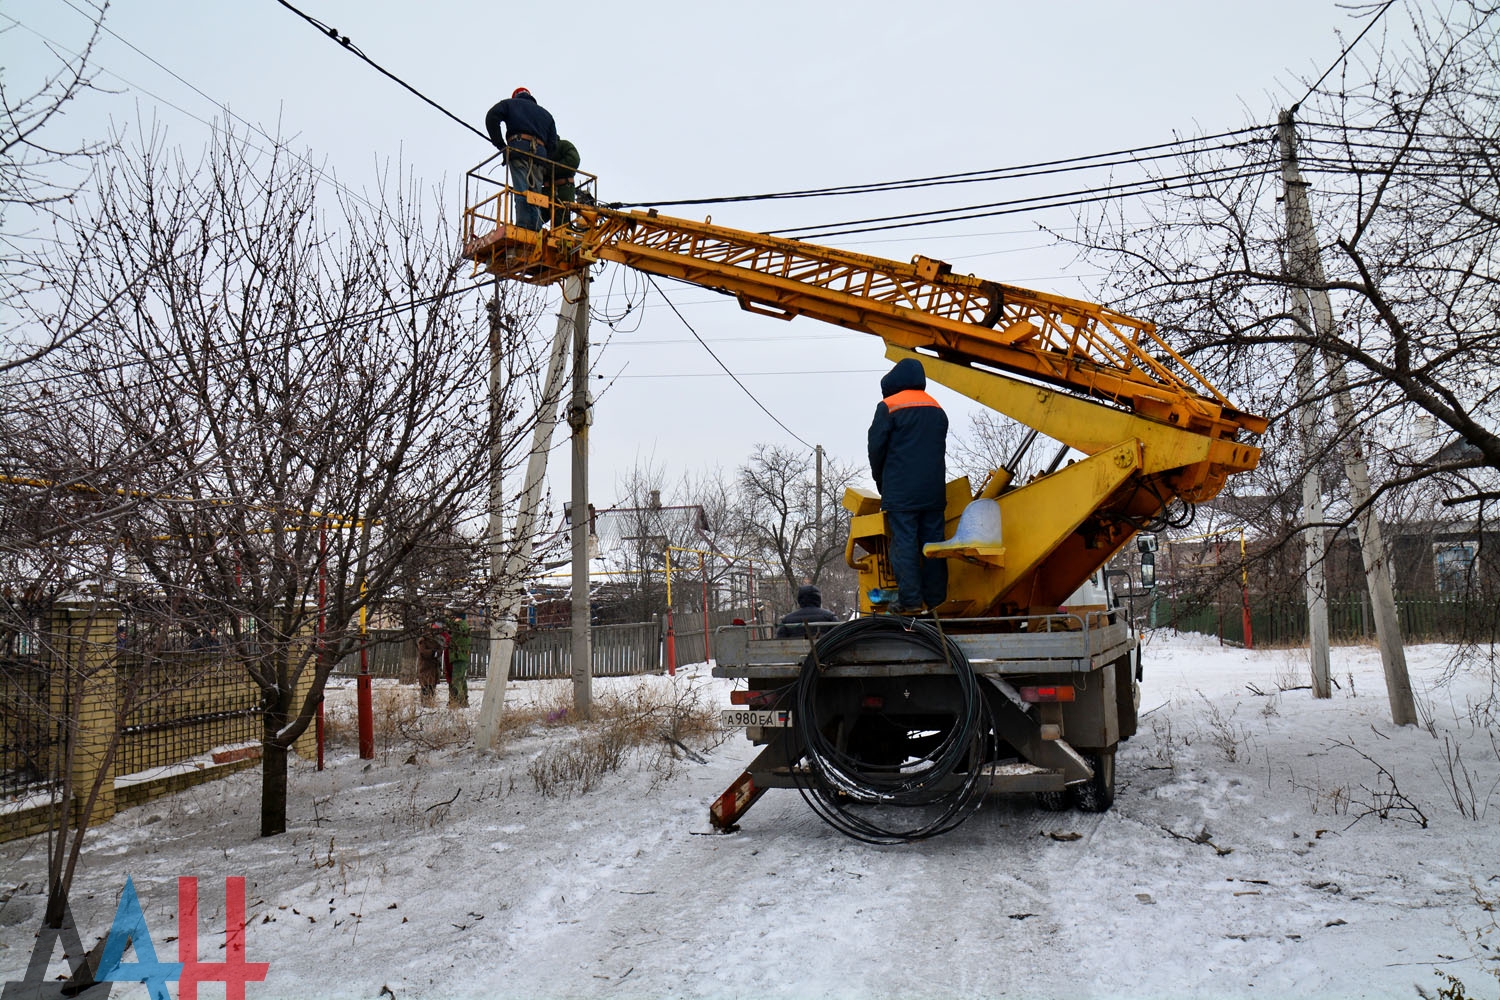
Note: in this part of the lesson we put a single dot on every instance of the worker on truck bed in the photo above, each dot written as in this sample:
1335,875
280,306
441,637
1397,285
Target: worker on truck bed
530,140
908,439
809,609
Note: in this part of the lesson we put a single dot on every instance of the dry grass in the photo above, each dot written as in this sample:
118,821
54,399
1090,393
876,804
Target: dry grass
665,722
400,721
660,723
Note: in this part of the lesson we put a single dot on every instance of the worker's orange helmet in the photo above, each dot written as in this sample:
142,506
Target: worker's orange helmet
519,91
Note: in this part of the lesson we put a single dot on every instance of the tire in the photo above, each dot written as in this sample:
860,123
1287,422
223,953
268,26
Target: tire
1098,793
1053,801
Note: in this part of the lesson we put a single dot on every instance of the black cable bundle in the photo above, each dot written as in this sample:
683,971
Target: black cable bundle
834,779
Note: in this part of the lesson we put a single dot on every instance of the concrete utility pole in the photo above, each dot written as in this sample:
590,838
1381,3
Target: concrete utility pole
1315,550
510,570
818,529
1307,266
580,415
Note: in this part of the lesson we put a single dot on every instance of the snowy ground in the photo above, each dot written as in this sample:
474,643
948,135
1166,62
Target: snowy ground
1246,855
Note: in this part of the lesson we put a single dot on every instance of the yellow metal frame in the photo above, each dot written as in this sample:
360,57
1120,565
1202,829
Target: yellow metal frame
1151,427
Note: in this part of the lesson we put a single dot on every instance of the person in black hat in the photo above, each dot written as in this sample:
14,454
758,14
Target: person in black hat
809,609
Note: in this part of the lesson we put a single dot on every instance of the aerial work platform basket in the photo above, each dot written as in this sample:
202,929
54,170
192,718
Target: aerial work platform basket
496,243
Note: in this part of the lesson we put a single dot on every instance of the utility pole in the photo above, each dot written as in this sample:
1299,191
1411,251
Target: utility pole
508,573
580,415
818,530
1315,544
1308,268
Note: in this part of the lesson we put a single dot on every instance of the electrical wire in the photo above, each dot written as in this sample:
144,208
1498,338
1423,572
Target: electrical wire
722,365
1040,168
1067,203
1344,54
839,785
343,40
319,172
274,345
1147,185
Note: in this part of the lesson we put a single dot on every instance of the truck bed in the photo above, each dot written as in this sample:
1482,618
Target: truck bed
1088,646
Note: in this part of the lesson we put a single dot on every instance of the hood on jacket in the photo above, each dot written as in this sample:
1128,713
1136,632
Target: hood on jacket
908,374
809,596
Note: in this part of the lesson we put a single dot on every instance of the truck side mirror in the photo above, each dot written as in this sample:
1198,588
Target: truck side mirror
1148,570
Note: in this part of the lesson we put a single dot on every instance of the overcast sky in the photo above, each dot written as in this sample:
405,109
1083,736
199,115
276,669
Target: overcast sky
681,100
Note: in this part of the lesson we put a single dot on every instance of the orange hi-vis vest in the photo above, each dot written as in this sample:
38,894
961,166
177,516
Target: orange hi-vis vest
908,398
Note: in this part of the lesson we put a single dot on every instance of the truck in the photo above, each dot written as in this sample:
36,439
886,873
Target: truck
1026,679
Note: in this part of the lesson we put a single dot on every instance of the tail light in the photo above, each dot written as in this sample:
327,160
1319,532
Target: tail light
1055,692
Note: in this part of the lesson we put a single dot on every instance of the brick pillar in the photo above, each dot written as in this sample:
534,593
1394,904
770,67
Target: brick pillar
85,662
306,745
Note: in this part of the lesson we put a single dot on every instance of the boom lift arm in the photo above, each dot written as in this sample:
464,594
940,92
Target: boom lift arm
1154,428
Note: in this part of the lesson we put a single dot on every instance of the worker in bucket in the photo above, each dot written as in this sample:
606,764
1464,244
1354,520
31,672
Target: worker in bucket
809,609
530,141
908,441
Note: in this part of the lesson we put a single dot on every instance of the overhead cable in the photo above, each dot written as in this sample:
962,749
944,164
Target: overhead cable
321,174
1039,168
1037,203
343,40
722,365
1344,54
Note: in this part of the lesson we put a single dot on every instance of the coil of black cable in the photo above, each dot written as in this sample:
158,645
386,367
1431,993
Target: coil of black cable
840,787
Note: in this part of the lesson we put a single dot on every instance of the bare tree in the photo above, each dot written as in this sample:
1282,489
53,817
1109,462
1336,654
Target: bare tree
37,178
1404,157
992,441
303,394
778,505
1401,152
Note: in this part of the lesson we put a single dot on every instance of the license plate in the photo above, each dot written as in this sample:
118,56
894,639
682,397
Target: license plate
776,717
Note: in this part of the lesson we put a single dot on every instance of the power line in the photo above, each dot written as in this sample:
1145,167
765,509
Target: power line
1344,54
1033,204
343,40
818,371
321,174
277,345
1040,168
722,365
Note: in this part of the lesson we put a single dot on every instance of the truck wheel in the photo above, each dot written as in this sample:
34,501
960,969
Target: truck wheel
1053,802
1098,793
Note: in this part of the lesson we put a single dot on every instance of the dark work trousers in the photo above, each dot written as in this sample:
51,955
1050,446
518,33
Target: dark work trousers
920,580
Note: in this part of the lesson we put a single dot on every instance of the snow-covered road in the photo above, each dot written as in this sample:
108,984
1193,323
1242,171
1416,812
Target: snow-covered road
1245,856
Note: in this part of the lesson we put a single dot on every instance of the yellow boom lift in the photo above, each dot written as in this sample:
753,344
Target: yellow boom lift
1153,431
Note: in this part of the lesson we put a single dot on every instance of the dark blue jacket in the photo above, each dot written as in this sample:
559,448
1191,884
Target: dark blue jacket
809,609
521,116
908,438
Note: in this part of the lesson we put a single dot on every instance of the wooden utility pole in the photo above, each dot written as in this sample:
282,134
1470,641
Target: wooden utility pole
580,415
508,572
1308,268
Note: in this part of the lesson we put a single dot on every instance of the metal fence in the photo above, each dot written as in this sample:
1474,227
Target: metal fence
29,734
618,651
1284,622
688,638
174,706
